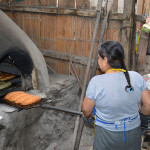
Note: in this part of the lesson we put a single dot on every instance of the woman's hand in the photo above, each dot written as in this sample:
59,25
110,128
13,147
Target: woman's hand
87,106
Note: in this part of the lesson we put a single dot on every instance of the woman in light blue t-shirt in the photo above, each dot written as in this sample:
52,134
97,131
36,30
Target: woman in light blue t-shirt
115,96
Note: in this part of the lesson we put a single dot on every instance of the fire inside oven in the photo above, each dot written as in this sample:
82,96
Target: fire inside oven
15,72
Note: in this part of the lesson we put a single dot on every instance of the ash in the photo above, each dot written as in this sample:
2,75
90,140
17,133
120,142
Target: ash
39,129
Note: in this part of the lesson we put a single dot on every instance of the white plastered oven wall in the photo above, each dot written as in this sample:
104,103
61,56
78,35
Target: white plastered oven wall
17,37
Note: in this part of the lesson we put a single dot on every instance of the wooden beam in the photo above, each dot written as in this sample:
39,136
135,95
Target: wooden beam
127,30
64,57
50,10
65,11
59,11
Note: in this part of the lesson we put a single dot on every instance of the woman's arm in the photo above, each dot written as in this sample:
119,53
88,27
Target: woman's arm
145,108
87,106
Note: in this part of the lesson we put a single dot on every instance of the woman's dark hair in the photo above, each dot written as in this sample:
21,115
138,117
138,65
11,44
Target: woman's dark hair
114,53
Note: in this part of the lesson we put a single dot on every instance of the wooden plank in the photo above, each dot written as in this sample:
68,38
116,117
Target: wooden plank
30,23
82,4
54,64
143,45
81,48
65,45
140,6
24,2
63,56
74,71
147,7
66,3
65,27
33,3
64,11
84,28
113,30
59,66
127,30
4,2
48,32
83,36
51,3
115,5
57,11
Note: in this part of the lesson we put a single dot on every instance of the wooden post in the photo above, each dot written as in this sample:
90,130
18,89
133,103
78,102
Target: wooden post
143,48
127,30
140,4
115,5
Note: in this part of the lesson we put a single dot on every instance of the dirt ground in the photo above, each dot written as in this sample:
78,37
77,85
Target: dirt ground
65,143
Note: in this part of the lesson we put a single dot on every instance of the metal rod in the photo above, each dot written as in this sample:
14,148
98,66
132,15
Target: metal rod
61,109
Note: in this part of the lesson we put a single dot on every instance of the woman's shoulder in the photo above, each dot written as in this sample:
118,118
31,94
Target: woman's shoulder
134,73
98,77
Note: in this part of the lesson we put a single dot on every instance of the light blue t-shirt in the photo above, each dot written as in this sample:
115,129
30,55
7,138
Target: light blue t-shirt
112,102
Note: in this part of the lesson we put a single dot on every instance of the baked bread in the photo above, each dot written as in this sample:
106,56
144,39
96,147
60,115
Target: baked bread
12,93
4,85
3,73
16,96
10,76
31,100
20,97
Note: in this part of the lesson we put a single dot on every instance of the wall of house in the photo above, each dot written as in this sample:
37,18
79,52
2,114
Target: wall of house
63,29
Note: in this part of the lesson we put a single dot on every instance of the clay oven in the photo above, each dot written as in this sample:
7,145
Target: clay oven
20,56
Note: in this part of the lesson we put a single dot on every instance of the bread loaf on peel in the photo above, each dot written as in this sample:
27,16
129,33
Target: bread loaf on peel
20,97
7,77
16,96
31,100
11,94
